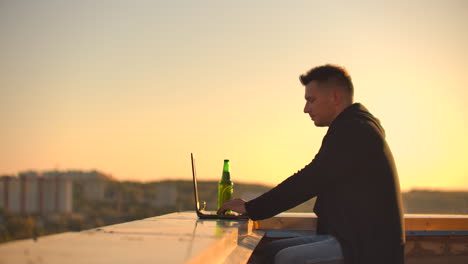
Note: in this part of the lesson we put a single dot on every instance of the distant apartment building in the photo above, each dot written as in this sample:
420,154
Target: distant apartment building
2,195
11,192
93,183
31,193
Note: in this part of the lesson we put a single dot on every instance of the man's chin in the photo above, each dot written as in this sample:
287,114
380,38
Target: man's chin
318,124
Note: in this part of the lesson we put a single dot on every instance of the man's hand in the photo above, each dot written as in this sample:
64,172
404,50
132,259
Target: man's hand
236,205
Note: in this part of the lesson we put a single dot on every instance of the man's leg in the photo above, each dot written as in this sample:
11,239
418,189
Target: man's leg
267,253
327,250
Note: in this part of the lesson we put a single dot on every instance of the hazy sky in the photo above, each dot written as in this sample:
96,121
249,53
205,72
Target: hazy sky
132,87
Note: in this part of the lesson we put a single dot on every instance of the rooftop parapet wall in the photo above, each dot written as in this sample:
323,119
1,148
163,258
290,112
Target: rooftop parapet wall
183,238
172,238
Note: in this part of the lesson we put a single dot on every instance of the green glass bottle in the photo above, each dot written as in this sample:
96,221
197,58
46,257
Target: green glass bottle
225,186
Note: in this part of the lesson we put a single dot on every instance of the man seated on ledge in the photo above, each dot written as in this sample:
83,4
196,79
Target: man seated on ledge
353,177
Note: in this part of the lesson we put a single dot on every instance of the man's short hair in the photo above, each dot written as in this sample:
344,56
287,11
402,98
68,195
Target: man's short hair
329,74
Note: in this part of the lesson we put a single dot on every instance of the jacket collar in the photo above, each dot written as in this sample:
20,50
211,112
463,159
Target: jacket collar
350,111
356,111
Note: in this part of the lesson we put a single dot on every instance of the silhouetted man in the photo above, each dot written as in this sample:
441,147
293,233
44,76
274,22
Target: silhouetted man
353,177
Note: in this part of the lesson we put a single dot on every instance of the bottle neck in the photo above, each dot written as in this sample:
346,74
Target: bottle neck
226,174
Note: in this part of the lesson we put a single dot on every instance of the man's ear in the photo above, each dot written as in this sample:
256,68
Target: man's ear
337,96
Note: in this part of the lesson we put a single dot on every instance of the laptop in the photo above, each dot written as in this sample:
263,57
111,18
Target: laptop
201,211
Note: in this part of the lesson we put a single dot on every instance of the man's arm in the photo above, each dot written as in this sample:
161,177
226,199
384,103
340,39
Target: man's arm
240,205
331,165
293,191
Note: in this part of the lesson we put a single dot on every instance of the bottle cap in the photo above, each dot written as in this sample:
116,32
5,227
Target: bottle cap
226,160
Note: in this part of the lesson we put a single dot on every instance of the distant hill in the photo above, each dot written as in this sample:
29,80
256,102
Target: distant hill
414,201
208,193
435,202
91,187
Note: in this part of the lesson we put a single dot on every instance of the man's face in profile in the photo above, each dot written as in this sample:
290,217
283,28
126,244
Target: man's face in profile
319,103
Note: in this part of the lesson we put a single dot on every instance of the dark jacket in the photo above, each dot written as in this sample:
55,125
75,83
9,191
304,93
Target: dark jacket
356,183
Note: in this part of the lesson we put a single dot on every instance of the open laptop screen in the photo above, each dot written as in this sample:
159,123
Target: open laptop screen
201,211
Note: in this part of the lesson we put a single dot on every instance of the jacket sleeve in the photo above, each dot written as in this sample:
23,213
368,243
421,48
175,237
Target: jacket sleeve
332,163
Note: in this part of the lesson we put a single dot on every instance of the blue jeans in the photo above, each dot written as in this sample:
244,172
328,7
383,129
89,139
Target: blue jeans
303,249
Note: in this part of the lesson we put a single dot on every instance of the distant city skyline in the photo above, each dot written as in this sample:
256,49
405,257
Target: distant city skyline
30,194
132,88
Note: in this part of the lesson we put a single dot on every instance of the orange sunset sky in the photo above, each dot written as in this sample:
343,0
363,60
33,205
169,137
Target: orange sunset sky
130,88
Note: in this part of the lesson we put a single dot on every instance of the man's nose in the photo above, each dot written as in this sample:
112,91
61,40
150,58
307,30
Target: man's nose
306,108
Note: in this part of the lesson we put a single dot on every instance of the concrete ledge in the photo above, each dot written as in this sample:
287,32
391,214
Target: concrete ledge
172,238
183,238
